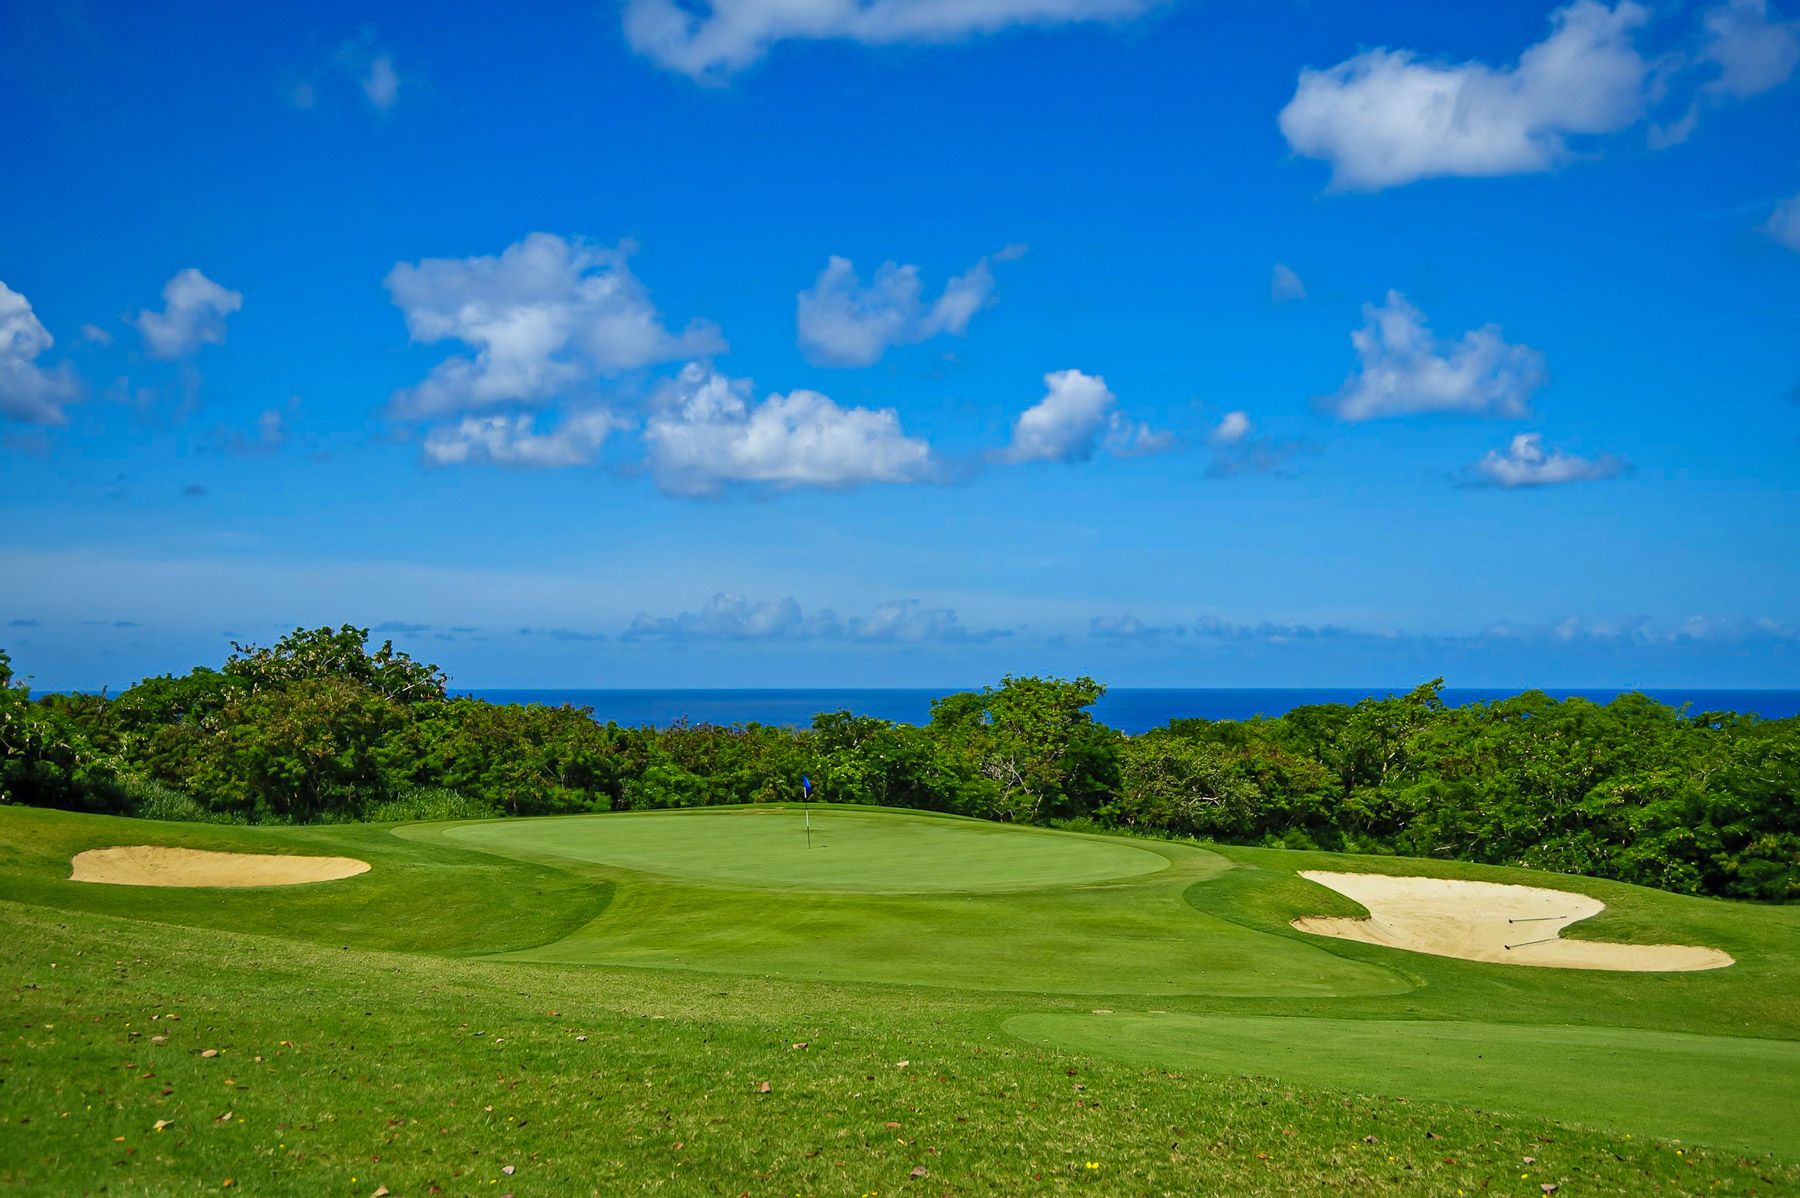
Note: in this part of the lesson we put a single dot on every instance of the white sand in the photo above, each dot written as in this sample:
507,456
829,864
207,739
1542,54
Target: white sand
1488,921
155,865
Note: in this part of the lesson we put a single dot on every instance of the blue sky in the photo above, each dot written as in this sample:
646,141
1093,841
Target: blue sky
888,342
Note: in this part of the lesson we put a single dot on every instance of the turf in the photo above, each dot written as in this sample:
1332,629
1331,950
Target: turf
1664,1083
852,850
600,1013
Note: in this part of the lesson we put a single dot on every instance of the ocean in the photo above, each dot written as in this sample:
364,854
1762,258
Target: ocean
1127,709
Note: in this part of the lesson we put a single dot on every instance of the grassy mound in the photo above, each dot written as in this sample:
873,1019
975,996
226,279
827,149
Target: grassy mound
573,1009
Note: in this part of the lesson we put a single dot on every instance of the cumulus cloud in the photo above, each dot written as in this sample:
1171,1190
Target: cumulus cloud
1284,285
194,312
1784,223
544,317
1388,117
1238,451
711,39
910,622
509,440
359,62
1744,51
726,617
1641,632
1130,628
268,436
381,83
29,392
1752,51
1077,418
844,322
1232,428
705,433
1404,369
1526,463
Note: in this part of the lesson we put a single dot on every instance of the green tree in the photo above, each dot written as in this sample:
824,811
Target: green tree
311,749
1035,743
337,653
1187,787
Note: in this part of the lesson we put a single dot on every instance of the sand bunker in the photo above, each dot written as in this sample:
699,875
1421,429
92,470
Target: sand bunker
1488,921
155,865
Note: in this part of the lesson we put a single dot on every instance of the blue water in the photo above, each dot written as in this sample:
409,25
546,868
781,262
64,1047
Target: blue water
1126,709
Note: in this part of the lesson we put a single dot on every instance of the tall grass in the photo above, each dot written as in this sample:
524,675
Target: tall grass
428,803
146,798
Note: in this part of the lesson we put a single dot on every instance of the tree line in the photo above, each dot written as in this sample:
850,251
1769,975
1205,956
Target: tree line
319,727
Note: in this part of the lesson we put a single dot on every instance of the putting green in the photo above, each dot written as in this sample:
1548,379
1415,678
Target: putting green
869,851
1730,1091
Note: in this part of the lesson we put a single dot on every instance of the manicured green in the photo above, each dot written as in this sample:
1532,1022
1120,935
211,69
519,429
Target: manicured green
596,1001
846,849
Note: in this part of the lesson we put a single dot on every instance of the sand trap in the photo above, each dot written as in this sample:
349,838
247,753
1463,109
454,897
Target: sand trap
1488,921
155,865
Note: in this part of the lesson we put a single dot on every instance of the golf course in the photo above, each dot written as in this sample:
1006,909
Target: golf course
765,1000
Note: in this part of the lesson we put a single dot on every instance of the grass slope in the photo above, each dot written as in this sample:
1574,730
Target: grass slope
359,1045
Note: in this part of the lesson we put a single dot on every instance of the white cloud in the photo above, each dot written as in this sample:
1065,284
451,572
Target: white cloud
705,433
910,622
1404,369
1752,52
1784,223
726,617
270,435
359,62
1231,429
1526,463
511,441
1237,452
1746,52
1130,628
29,392
843,322
194,312
724,36
1386,117
380,83
1077,418
1285,286
96,335
544,317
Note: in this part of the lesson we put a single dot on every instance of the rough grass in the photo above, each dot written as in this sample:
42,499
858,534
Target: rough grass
357,1045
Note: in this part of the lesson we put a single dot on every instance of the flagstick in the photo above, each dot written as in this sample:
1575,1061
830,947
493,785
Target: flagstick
807,812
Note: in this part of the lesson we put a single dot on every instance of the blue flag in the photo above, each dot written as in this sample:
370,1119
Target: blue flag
806,785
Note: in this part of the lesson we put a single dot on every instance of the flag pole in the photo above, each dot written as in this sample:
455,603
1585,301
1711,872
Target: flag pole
805,809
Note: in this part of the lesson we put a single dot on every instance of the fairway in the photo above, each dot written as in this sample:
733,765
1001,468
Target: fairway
1664,1083
847,850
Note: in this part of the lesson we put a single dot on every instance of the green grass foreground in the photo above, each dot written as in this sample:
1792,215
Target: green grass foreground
697,1003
